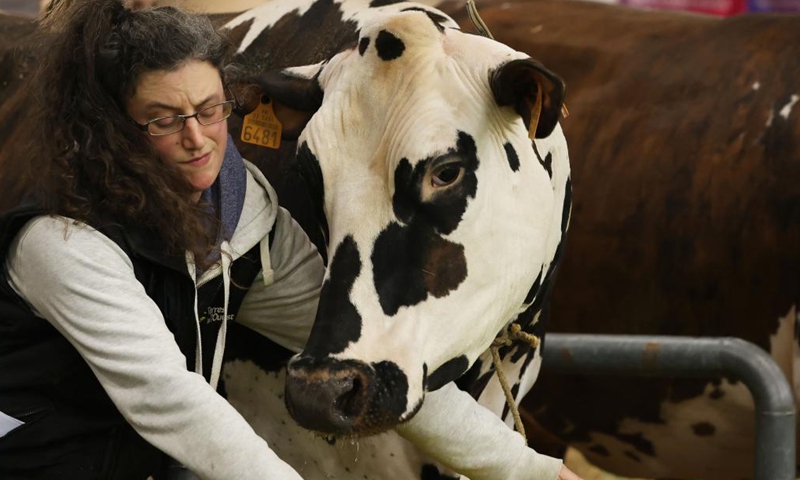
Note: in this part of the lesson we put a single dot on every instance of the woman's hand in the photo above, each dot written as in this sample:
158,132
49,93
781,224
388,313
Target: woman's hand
567,474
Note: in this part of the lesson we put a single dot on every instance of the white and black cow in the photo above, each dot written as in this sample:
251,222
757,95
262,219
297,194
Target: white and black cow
444,220
439,176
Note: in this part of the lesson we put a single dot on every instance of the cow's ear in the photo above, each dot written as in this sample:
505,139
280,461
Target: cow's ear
535,92
295,93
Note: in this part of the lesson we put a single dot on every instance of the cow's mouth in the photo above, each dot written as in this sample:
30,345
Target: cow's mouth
346,398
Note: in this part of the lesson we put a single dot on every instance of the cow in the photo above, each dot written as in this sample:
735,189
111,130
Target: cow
439,190
685,149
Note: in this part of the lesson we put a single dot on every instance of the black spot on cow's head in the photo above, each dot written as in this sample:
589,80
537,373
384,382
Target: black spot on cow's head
445,210
389,47
449,371
338,323
716,394
437,19
511,154
703,429
411,262
362,45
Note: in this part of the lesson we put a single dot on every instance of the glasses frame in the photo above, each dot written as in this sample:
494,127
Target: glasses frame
145,127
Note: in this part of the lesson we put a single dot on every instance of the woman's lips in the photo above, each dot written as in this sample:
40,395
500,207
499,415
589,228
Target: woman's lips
198,161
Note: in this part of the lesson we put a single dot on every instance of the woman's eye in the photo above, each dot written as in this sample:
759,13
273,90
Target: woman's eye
210,112
447,175
166,121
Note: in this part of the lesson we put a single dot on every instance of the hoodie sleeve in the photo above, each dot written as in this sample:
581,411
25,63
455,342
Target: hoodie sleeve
283,306
84,285
466,437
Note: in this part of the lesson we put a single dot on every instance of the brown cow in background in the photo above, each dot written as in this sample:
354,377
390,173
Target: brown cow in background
684,140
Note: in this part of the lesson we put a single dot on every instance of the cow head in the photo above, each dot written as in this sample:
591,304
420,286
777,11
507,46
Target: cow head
439,213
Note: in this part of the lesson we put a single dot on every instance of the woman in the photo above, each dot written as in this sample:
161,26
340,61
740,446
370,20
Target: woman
139,210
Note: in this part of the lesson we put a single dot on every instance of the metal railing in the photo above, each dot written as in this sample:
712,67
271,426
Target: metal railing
673,356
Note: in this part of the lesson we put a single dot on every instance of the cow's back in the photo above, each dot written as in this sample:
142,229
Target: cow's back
685,145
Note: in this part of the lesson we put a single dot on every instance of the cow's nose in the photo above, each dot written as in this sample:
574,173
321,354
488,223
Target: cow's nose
329,396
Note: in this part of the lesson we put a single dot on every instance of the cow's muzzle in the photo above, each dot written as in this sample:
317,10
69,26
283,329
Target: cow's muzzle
345,397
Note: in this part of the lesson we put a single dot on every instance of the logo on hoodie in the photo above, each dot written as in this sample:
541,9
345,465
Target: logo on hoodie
214,314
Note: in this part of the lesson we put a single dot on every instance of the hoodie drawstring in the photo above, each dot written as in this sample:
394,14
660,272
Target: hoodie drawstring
219,349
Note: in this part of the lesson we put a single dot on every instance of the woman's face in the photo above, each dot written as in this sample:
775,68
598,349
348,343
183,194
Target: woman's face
197,150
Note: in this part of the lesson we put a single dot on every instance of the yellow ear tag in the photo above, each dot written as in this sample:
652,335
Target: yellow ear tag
536,111
261,126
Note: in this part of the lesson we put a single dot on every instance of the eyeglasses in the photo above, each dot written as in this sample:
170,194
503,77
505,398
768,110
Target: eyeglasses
175,123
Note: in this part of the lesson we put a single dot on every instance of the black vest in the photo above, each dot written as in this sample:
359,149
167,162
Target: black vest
72,429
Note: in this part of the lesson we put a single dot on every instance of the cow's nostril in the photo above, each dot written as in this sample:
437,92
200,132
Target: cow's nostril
351,402
329,396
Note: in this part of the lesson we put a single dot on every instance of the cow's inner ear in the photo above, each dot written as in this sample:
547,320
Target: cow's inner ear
535,93
295,98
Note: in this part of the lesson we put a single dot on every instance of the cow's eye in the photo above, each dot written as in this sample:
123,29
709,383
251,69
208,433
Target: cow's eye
447,175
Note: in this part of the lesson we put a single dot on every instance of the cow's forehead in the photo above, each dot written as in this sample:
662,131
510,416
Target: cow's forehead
421,49
409,87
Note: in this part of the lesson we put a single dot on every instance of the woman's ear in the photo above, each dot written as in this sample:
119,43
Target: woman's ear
535,92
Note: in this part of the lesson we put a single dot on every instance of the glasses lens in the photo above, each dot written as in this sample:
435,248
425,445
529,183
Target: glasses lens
215,113
165,126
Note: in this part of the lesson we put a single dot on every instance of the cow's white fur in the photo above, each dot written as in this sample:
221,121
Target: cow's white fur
510,230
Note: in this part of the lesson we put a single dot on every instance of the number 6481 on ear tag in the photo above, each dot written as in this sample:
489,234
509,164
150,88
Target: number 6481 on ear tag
261,126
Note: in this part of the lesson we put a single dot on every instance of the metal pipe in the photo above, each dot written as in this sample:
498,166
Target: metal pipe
665,356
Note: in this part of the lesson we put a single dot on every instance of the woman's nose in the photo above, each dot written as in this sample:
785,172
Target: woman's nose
192,135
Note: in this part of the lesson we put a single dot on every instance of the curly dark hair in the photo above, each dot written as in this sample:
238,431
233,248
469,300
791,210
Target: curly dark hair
89,161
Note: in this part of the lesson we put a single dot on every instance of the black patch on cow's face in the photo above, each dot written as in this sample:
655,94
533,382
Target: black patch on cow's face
394,386
311,173
445,210
430,472
362,45
511,154
338,322
389,47
449,371
716,394
438,20
704,429
600,450
547,162
411,262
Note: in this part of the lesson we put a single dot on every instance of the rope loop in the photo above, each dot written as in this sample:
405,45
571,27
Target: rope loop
513,333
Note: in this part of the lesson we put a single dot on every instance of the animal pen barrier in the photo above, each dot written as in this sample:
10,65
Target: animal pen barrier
672,356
